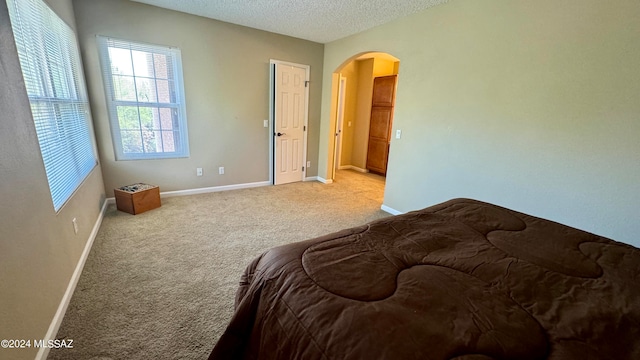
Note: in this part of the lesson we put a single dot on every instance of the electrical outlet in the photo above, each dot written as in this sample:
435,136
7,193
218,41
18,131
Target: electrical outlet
75,225
198,171
221,170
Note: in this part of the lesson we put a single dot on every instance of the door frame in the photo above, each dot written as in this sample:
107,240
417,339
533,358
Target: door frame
337,151
272,115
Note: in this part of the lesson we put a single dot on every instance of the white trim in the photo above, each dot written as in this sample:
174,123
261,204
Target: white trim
272,116
206,190
337,151
311,178
391,211
325,181
354,168
214,189
52,332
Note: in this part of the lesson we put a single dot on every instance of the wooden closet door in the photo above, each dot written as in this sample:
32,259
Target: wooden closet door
382,103
384,91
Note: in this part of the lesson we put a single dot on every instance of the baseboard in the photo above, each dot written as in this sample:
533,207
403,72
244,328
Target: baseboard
325,181
166,194
214,189
311,178
391,211
73,282
354,168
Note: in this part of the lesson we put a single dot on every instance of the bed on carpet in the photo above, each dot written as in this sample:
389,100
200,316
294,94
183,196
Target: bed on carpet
459,280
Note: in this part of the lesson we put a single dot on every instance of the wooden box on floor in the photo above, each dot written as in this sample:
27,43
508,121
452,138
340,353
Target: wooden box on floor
137,198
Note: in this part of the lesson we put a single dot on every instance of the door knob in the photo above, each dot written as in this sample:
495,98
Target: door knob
280,134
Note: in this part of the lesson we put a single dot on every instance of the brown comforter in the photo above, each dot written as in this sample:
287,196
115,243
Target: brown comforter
459,280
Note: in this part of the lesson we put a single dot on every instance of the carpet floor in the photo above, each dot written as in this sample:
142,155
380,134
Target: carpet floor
161,285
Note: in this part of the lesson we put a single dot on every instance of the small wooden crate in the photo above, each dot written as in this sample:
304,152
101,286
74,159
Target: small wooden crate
137,198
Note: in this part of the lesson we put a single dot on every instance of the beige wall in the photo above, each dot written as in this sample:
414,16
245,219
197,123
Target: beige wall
226,78
526,104
38,248
363,113
350,73
383,67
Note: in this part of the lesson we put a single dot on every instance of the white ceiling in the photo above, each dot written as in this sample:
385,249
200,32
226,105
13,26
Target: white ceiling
321,21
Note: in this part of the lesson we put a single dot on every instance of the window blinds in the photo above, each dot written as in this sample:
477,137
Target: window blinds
52,72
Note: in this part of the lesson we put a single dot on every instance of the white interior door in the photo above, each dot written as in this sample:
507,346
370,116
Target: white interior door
290,118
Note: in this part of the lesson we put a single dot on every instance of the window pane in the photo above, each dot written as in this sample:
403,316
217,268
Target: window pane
128,118
166,118
142,63
147,118
152,142
146,90
161,66
124,88
164,92
120,61
131,141
168,140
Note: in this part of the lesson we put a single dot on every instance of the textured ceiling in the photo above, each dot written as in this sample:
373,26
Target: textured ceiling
317,20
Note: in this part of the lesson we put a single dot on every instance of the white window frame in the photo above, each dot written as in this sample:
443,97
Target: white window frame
178,145
52,71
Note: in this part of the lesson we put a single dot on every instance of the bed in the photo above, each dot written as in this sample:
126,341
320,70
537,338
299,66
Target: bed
463,280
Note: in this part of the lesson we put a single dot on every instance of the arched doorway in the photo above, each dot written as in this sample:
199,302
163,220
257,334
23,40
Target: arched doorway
352,94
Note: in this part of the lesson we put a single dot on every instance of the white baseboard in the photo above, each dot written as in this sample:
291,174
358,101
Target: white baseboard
325,181
166,194
66,298
311,178
354,168
214,189
391,211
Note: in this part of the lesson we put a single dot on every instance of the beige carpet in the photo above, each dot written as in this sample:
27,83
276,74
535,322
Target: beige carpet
160,285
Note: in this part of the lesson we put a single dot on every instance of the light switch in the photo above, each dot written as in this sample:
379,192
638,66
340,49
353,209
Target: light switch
398,134
266,123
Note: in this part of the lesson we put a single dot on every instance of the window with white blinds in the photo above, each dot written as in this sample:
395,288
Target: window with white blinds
51,67
145,97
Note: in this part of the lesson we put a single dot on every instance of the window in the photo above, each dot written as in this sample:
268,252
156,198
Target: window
143,85
52,72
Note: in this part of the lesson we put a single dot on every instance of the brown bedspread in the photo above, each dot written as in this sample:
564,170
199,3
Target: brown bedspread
459,280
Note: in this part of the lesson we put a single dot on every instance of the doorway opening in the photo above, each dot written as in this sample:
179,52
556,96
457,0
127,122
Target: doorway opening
364,102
